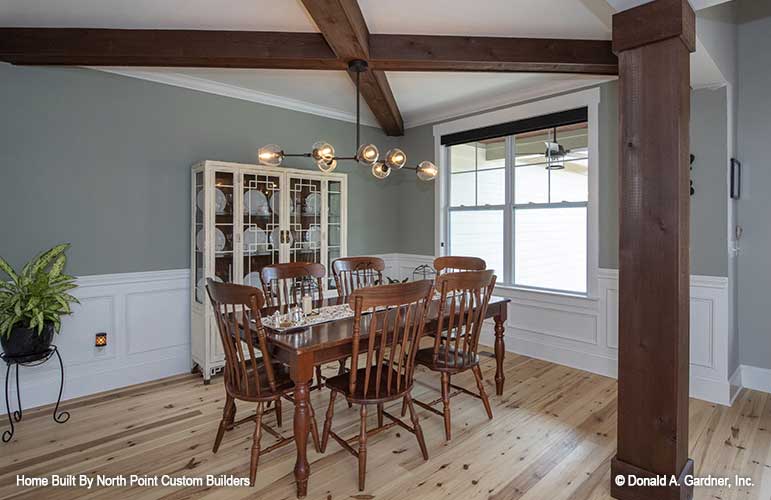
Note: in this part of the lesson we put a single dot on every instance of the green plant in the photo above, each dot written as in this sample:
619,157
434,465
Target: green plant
38,294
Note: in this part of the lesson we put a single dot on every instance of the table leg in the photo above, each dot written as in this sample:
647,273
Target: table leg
500,350
302,374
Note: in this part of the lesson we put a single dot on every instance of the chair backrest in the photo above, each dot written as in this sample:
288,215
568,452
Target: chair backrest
464,297
357,272
235,306
451,264
393,329
282,282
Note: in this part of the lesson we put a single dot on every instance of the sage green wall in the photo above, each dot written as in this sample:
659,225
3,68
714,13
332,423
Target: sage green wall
709,206
103,161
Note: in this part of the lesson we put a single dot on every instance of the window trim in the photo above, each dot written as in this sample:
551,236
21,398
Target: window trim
590,99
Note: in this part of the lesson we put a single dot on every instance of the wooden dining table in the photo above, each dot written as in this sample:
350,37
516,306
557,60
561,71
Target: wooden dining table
304,349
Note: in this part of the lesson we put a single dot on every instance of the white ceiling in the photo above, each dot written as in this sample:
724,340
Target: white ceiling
421,97
524,18
262,15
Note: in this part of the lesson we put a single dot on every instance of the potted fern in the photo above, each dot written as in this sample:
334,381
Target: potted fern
33,301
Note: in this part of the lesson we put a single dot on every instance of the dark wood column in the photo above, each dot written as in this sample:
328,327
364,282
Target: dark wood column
653,43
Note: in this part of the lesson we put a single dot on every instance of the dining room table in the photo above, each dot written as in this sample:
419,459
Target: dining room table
303,348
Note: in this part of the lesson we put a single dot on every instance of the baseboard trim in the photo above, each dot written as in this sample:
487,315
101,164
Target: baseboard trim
755,378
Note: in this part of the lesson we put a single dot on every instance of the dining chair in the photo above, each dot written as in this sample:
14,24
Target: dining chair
451,264
281,283
464,297
387,326
352,273
249,377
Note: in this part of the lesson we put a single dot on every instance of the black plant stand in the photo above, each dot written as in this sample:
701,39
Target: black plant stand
30,360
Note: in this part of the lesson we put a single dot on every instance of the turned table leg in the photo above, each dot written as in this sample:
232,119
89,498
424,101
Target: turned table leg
500,349
301,376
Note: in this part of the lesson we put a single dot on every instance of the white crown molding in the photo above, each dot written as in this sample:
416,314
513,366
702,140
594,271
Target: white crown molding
226,90
501,100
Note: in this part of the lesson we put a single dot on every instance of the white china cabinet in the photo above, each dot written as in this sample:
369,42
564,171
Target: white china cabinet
245,217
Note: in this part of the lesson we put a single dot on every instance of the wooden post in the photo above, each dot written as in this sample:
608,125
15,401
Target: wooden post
653,43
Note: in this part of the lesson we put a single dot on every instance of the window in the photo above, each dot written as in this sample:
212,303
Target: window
520,201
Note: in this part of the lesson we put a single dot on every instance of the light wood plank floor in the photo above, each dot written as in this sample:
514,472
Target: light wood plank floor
552,437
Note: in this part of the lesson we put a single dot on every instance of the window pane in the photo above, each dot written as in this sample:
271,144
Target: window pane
463,189
529,147
491,187
491,153
531,185
463,157
550,248
570,183
479,234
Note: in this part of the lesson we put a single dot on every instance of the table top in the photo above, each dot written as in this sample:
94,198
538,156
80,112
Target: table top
338,332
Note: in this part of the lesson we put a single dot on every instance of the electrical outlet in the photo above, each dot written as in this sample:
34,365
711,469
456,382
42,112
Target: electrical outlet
100,343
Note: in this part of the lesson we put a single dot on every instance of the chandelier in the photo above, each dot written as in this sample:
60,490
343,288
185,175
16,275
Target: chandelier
323,153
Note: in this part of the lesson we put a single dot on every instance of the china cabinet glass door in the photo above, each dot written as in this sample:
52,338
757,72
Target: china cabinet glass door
199,230
334,241
263,232
223,240
305,229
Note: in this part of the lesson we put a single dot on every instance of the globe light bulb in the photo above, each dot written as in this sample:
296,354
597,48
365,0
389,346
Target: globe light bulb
367,154
380,170
326,166
323,151
395,158
427,171
270,155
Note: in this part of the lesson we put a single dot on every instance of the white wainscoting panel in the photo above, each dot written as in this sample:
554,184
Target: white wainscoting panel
582,332
146,316
147,320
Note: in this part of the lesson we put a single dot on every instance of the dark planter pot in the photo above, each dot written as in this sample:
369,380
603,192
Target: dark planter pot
26,343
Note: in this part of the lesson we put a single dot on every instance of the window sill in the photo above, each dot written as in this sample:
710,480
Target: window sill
514,291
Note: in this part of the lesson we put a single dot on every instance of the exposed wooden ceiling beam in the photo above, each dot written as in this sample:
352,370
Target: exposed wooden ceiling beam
343,26
192,48
344,37
468,53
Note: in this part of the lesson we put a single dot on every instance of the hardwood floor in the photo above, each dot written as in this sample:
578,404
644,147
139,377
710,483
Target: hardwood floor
552,437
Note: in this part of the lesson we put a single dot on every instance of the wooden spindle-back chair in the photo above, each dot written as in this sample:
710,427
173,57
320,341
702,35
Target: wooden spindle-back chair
452,264
352,273
388,325
283,283
464,297
250,373
286,284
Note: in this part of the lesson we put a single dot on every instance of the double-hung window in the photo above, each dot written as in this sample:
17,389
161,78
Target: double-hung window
518,197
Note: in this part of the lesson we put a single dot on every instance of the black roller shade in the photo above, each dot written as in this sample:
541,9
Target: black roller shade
569,117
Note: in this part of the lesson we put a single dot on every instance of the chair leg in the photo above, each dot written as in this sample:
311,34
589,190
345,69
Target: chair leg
446,404
340,371
328,422
256,444
227,418
380,415
482,392
314,429
416,426
363,447
404,406
279,416
319,380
